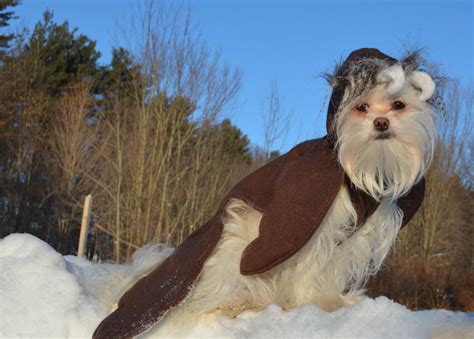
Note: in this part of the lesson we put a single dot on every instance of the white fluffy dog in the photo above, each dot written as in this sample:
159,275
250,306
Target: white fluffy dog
383,134
385,144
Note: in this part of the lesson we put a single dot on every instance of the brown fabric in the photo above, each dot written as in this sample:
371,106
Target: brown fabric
289,183
304,188
410,203
363,203
303,183
294,193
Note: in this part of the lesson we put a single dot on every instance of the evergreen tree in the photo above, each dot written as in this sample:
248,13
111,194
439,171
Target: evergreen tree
34,79
5,17
234,141
121,76
60,57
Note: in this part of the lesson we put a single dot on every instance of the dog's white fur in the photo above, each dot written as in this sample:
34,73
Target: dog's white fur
387,168
332,268
329,271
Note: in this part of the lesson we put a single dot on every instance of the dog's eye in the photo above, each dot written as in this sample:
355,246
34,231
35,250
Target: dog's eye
398,105
362,107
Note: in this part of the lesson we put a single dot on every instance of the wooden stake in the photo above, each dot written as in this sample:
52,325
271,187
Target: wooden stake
86,214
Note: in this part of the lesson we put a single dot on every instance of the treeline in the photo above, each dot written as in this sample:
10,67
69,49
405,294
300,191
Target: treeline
143,134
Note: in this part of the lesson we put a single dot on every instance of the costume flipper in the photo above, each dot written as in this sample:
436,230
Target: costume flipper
164,288
303,195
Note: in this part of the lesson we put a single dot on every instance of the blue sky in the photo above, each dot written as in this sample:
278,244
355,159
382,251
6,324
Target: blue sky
292,42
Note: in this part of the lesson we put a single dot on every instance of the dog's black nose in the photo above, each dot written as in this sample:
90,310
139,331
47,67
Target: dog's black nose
381,124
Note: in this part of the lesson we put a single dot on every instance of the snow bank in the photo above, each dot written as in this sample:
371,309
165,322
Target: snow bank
43,294
38,296
379,318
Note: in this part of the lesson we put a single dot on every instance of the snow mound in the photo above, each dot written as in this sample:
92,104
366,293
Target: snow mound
38,296
379,318
43,294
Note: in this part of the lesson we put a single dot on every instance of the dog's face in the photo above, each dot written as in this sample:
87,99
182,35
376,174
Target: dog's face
386,137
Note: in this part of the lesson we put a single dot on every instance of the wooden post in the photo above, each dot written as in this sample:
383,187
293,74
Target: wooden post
86,214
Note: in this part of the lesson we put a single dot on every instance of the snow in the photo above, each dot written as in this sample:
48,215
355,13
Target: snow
45,294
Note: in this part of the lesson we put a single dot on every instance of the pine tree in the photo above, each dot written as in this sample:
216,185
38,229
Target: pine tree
60,57
5,17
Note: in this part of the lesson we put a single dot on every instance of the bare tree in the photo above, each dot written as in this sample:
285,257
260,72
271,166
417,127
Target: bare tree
164,168
72,148
276,122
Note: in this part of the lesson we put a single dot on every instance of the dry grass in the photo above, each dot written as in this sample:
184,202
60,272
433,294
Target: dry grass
425,285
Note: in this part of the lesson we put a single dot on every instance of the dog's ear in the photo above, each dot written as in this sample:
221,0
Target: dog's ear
394,77
423,83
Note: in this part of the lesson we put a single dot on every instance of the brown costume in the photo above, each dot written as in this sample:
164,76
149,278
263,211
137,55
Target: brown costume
303,183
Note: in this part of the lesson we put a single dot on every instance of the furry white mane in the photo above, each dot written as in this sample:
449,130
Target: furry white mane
389,167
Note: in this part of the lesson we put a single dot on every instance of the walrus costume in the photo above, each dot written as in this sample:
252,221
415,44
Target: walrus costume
303,183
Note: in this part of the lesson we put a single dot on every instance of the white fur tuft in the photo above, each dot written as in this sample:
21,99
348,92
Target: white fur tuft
424,83
394,77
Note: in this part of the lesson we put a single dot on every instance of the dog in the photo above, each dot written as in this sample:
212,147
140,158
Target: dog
312,225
